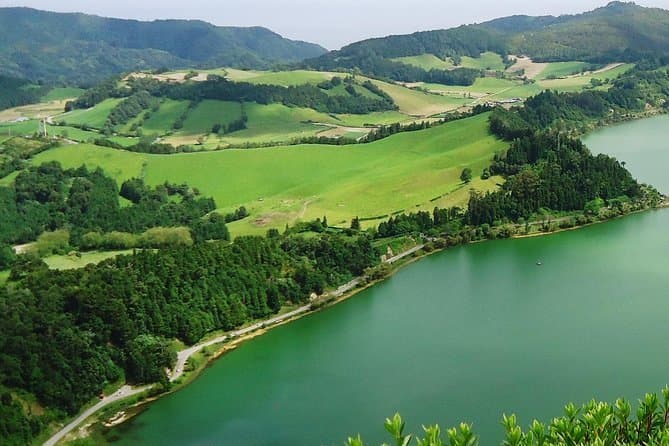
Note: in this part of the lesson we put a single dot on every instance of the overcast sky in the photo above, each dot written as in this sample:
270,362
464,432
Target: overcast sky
331,23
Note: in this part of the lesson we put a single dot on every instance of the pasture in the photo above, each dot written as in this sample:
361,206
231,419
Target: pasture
486,61
408,171
93,117
119,164
162,120
282,78
62,262
426,62
208,113
562,69
576,83
62,93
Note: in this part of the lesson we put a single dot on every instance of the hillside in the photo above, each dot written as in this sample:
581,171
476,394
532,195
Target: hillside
614,33
79,48
619,31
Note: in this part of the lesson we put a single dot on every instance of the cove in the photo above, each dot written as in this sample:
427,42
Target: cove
464,335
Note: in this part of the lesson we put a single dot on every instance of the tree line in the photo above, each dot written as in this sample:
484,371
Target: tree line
64,335
219,88
48,198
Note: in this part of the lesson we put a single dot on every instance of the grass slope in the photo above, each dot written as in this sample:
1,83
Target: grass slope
93,117
162,121
486,61
426,62
209,113
73,262
119,164
561,69
576,83
282,185
62,93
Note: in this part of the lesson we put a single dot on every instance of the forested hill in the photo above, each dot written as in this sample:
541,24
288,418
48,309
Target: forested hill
42,45
617,32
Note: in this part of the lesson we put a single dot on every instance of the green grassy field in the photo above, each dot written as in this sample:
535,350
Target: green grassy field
60,94
418,103
561,69
209,113
283,78
8,180
282,185
486,61
162,121
119,164
19,128
487,89
576,83
94,117
426,62
4,275
74,262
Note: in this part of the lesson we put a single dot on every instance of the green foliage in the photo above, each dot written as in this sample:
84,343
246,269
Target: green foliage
129,108
466,175
55,242
147,357
7,256
115,317
82,49
16,427
307,95
48,198
15,92
595,423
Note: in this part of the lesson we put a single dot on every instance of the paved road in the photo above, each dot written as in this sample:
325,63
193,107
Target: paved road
123,392
183,355
405,254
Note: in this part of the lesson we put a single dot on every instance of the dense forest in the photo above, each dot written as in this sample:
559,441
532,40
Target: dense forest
84,49
78,208
65,335
15,92
618,32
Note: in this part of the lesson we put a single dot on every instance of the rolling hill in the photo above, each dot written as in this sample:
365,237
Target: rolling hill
618,32
80,48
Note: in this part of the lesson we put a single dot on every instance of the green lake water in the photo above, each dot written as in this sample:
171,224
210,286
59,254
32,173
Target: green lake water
463,335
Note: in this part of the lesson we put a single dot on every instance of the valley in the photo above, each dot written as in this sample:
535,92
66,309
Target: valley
179,183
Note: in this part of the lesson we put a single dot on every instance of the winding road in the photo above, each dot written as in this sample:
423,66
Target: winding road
183,355
123,392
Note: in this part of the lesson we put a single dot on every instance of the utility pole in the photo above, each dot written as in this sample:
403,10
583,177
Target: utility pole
43,128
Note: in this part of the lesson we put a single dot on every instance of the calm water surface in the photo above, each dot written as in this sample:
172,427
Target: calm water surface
464,335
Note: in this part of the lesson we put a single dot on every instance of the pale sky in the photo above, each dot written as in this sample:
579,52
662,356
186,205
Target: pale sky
331,23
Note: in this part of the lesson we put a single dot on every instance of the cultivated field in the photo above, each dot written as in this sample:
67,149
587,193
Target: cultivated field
282,185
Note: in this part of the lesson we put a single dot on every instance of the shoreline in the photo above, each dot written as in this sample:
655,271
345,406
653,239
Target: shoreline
360,284
227,343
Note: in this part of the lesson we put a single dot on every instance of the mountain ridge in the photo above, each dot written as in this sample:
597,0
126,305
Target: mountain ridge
619,31
51,46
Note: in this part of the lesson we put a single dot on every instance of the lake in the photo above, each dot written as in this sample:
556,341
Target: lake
464,335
